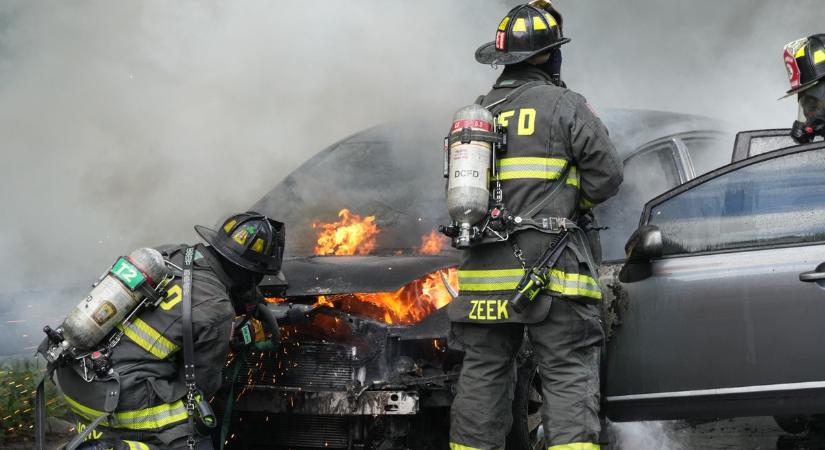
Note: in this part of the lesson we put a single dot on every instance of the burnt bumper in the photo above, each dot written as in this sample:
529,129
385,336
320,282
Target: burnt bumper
372,403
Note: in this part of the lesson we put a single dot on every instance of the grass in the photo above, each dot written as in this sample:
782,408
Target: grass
18,383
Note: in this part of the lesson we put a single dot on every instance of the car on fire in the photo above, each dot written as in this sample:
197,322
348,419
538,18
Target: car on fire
365,362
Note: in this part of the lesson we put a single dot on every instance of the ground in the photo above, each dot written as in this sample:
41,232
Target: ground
757,433
745,433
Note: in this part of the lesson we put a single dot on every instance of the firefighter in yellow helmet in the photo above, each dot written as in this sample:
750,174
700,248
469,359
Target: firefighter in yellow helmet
147,385
559,163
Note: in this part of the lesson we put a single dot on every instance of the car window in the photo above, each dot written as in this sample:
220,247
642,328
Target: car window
780,201
707,153
765,144
646,175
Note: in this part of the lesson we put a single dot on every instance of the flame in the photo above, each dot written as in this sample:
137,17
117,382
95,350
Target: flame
432,244
351,235
408,305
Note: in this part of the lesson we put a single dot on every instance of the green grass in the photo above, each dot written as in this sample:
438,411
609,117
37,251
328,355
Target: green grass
18,382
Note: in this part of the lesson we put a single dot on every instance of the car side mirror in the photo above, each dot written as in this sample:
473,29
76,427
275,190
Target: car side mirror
644,245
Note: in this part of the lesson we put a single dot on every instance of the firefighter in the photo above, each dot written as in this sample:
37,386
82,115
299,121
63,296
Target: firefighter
148,362
805,62
559,161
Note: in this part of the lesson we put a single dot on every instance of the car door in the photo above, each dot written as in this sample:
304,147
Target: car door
714,318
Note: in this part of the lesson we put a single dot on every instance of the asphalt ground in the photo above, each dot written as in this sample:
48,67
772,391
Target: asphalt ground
749,433
755,433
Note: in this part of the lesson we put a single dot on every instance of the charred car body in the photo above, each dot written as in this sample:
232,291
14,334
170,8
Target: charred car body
354,372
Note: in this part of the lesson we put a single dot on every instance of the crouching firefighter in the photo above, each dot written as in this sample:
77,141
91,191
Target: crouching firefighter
139,358
805,62
525,165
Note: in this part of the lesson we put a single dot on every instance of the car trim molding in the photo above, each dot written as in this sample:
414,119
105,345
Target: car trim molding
721,391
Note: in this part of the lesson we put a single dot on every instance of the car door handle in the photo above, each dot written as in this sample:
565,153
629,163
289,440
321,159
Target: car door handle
812,276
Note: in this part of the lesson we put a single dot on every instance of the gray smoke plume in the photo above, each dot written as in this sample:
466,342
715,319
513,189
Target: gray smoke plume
716,58
125,123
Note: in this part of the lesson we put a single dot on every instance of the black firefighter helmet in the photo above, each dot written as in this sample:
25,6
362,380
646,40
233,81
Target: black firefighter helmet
525,31
805,61
249,240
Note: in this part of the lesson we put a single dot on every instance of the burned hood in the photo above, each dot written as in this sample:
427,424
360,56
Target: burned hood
331,275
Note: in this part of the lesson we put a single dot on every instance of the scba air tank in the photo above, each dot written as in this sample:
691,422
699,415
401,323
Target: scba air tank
116,294
469,166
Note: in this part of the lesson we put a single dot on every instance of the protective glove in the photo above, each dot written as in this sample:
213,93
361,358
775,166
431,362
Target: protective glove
251,330
800,134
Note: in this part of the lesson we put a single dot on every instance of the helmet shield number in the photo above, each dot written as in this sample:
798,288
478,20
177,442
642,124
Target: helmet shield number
793,70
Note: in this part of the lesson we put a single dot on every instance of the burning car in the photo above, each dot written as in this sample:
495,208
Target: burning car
365,363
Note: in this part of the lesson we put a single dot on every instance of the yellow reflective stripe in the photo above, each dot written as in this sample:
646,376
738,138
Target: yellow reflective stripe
800,53
149,339
551,20
586,204
574,284
481,287
83,410
134,445
528,174
152,418
489,280
520,26
505,162
503,25
569,284
530,168
573,178
490,273
454,446
538,24
819,56
576,446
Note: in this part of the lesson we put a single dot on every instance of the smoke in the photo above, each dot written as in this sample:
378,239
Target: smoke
125,123
720,59
645,436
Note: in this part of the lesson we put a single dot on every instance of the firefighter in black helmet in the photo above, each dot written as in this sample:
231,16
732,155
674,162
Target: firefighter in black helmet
559,163
148,377
805,62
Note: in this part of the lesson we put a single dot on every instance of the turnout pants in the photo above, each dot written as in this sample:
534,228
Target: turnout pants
567,348
116,439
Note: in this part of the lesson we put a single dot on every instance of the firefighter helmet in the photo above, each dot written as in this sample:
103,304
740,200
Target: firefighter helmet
249,240
525,31
805,62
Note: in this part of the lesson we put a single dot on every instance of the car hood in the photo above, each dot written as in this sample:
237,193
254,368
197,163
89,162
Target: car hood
330,275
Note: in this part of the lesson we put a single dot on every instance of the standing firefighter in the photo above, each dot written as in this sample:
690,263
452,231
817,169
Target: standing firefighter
805,61
552,161
138,360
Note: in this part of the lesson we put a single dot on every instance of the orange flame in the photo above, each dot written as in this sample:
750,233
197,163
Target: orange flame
352,235
410,304
432,244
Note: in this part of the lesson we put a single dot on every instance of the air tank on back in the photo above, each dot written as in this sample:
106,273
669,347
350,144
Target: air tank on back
469,168
117,294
